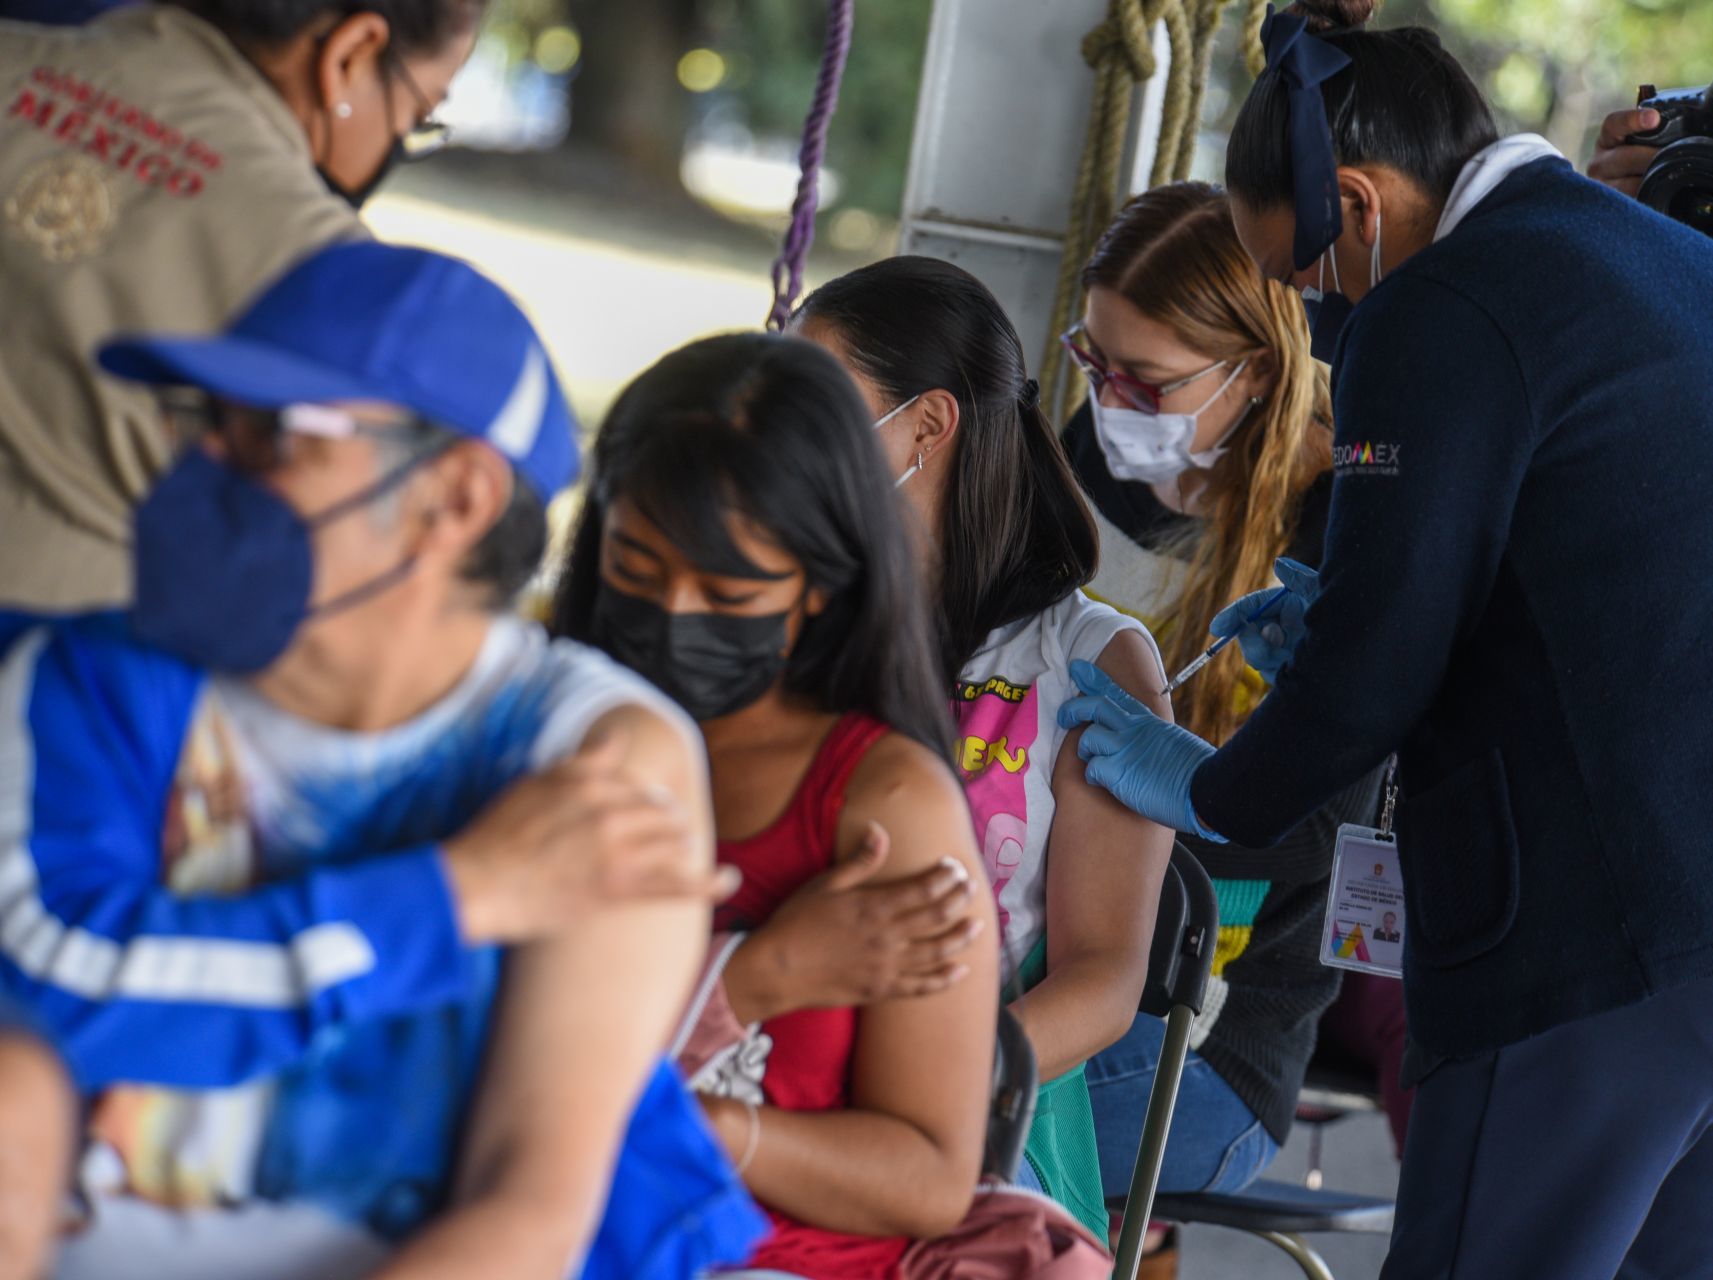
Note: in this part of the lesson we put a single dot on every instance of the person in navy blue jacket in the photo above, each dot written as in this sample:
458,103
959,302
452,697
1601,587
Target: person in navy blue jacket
1515,598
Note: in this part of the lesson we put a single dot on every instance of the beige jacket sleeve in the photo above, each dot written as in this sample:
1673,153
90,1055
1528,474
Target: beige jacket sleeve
150,181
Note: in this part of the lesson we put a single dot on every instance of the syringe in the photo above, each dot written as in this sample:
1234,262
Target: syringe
1267,606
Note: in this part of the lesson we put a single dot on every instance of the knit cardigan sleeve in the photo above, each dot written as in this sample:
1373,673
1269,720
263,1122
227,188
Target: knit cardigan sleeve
1434,435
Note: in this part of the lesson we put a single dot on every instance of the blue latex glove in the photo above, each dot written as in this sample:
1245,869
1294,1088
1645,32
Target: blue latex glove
1143,760
1270,642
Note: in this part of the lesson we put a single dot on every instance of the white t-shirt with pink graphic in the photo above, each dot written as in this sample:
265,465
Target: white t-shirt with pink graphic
1007,702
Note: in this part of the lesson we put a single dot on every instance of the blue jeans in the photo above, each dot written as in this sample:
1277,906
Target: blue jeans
1216,1143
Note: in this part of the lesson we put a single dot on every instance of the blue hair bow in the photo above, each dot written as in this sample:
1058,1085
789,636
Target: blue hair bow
1306,63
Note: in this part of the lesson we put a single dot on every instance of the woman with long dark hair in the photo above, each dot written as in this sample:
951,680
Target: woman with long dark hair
738,548
994,515
1512,372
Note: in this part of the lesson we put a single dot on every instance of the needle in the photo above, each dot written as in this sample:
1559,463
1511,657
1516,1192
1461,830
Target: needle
1208,655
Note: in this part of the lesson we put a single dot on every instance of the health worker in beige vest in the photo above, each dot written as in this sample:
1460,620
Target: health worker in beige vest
158,168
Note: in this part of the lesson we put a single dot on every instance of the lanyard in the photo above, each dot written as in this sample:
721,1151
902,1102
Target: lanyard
1391,804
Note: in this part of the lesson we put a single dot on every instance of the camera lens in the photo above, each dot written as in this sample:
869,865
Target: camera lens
1694,208
1679,183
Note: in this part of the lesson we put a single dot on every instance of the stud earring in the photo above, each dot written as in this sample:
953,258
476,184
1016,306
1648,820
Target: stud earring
342,110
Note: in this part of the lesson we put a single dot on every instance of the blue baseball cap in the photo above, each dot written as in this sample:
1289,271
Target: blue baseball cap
369,321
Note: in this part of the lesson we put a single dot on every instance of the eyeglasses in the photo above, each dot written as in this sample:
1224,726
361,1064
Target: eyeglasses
1145,396
428,136
258,441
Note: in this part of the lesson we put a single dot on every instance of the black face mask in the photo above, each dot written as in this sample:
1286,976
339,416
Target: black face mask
711,664
359,196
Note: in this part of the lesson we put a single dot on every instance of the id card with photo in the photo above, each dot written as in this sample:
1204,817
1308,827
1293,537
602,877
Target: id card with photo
1364,926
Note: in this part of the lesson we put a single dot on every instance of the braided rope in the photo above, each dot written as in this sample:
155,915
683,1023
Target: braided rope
1121,53
1175,116
1207,20
1070,262
794,254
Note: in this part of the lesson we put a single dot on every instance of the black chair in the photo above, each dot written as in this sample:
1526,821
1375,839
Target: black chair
1179,962
1280,1213
1012,1110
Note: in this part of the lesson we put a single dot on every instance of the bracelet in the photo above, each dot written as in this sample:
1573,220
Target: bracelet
754,1137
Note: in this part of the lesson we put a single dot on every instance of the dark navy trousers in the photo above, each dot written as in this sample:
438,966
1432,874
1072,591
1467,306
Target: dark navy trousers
1582,1154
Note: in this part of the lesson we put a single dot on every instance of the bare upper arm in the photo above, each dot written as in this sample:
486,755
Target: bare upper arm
38,1116
914,794
658,751
583,1016
927,1060
1104,861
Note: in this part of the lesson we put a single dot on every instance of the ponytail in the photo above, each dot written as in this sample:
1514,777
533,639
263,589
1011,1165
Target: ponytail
1403,102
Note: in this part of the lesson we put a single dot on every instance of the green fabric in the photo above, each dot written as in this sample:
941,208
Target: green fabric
1061,1146
1239,900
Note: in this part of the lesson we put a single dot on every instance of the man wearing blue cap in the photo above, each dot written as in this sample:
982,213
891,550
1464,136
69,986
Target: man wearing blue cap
256,831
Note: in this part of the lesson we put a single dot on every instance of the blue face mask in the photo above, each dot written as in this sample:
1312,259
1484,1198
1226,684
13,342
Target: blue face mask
1327,311
1327,315
225,566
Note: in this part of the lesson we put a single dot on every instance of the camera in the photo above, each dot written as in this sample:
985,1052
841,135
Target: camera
1679,182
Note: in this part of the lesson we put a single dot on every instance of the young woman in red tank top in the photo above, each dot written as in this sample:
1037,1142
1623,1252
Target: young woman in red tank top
739,548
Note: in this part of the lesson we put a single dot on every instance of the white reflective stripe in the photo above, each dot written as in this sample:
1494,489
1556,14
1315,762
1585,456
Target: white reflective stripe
225,971
515,427
331,953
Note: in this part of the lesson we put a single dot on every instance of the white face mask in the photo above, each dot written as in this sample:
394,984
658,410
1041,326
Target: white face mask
1317,292
1154,448
881,422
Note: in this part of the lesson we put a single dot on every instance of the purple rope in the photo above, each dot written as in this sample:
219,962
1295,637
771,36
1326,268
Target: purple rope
788,266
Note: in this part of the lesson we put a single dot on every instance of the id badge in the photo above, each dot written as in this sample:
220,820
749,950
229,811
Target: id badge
1364,927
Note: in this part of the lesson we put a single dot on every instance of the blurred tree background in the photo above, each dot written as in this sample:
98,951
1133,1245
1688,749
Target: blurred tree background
649,82
1556,67
663,85
1553,67
775,47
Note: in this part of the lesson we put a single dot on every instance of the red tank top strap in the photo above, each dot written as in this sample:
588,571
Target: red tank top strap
845,747
802,842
